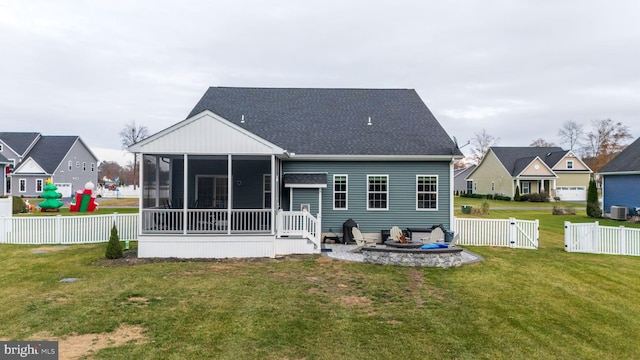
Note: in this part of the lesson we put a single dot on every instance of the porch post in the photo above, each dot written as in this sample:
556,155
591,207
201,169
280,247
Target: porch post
140,198
157,180
273,194
185,195
230,192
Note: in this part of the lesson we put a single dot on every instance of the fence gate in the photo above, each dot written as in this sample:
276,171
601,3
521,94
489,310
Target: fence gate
498,232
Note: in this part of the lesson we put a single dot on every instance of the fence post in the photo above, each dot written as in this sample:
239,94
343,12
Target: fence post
567,236
622,241
58,229
537,234
512,232
3,233
595,237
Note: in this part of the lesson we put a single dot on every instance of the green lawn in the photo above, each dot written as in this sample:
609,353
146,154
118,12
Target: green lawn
516,304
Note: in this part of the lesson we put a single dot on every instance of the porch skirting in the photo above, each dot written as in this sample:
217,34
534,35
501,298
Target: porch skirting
222,246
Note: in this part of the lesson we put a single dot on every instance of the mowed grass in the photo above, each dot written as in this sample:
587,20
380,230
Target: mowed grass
516,304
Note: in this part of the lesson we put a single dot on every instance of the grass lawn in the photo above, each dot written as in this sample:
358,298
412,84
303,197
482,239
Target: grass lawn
516,304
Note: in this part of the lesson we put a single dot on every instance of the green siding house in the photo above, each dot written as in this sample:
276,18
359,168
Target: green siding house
258,172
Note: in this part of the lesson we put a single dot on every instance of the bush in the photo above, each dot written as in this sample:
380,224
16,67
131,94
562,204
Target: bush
482,210
563,211
539,197
516,197
114,248
501,197
594,211
593,207
19,206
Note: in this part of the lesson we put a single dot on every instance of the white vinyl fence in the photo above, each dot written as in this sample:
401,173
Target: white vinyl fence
67,229
497,232
596,239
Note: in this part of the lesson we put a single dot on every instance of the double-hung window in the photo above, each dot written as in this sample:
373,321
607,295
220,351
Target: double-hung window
377,192
340,194
38,185
266,191
22,185
427,192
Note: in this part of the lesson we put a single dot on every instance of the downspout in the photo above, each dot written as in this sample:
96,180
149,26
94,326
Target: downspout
451,197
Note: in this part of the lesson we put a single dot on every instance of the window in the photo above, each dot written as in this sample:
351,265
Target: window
377,192
1,148
340,192
70,164
38,185
22,185
84,166
78,164
266,191
469,186
93,167
526,187
493,186
569,164
427,192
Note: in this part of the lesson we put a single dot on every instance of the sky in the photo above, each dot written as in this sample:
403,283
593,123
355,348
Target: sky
517,69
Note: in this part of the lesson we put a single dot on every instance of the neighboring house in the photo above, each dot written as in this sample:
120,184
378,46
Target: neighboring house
621,180
5,166
258,172
461,186
34,158
533,170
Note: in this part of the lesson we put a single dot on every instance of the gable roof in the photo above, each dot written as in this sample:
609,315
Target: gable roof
333,121
19,142
627,161
49,151
516,159
463,171
4,160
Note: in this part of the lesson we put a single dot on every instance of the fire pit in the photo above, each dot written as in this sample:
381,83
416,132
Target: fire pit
400,245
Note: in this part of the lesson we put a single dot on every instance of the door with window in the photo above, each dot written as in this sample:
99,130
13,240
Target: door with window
211,192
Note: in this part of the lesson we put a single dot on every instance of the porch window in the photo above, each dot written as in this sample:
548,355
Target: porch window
22,185
340,192
569,164
526,187
427,192
377,192
266,191
38,185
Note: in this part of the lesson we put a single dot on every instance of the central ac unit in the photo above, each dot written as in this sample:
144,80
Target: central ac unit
619,212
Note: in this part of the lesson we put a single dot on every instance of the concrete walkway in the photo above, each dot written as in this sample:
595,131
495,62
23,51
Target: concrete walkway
345,252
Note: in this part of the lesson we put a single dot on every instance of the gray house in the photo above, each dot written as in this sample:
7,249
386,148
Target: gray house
34,158
258,172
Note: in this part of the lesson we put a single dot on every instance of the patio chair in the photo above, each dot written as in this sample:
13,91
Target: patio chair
360,240
454,240
437,235
395,233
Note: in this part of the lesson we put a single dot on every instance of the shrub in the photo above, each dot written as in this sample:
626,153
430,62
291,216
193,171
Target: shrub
18,205
114,248
594,211
539,197
593,207
563,211
516,197
484,207
501,197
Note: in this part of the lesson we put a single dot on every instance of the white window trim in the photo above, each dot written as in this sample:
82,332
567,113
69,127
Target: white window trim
428,192
84,166
20,187
386,192
41,185
569,164
70,165
93,167
78,164
346,192
528,187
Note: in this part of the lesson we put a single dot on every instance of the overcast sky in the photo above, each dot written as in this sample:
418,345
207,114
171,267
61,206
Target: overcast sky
518,69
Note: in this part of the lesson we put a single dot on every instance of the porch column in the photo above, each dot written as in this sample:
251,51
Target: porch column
141,196
185,189
157,181
274,179
230,192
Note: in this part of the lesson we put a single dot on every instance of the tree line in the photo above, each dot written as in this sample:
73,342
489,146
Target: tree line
596,144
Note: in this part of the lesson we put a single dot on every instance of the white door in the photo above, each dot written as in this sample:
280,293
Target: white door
572,193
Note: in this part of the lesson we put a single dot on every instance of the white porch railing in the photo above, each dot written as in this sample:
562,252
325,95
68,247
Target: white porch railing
497,232
596,239
205,221
298,223
67,229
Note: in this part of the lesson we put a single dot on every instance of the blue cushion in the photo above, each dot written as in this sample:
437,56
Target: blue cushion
434,246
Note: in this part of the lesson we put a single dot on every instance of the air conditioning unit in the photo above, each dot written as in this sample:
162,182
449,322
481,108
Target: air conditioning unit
619,212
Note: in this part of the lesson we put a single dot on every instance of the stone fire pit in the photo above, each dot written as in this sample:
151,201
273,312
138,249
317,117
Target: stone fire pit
402,256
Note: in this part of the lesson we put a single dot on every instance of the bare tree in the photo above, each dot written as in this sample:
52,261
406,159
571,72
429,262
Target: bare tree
129,135
570,133
481,143
541,143
603,142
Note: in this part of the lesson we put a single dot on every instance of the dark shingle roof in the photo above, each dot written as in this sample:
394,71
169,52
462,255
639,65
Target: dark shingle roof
333,121
49,151
627,160
515,159
18,141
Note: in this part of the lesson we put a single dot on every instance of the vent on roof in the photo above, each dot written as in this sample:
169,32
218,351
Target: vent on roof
242,120
619,212
369,123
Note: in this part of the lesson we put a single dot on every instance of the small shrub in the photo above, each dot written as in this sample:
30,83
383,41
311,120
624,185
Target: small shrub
563,211
539,197
556,198
501,197
516,197
114,248
593,206
19,206
594,211
484,207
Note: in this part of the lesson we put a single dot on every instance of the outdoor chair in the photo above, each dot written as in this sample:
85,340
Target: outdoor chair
437,235
360,240
454,240
395,233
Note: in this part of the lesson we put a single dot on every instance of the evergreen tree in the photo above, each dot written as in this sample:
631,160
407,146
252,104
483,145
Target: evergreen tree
593,207
114,248
516,197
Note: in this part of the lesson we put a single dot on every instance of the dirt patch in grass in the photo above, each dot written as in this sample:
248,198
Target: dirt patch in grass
84,346
51,248
355,300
